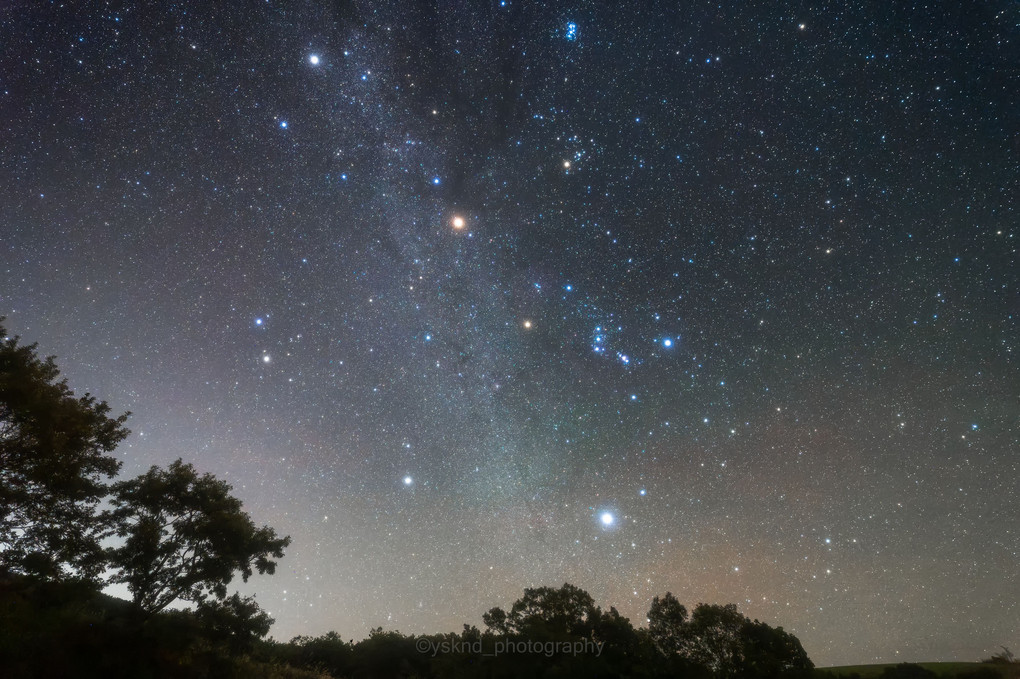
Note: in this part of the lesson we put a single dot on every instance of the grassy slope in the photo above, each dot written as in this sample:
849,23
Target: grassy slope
940,668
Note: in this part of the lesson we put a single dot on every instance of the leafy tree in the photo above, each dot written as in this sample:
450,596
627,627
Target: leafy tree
53,466
546,612
771,652
185,537
713,638
388,654
234,623
623,647
496,620
721,640
328,653
666,623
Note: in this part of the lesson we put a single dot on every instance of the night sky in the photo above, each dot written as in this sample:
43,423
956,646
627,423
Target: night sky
470,297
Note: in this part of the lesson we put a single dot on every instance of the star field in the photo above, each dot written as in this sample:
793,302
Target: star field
712,299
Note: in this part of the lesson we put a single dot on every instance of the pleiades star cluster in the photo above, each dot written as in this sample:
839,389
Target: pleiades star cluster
468,297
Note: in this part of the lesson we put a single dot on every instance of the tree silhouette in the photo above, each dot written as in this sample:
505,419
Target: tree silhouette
666,623
53,466
771,652
234,623
713,638
1003,657
546,612
495,620
328,653
185,537
724,642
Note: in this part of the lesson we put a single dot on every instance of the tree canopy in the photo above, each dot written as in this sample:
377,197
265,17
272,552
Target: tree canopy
723,641
545,611
54,463
185,537
667,620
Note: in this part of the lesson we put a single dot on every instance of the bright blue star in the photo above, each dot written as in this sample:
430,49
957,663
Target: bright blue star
667,343
313,59
435,180
259,321
607,519
283,124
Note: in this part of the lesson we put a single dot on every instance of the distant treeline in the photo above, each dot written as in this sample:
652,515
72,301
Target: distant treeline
68,629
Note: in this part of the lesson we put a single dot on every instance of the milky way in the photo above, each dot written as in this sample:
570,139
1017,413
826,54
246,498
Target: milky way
712,299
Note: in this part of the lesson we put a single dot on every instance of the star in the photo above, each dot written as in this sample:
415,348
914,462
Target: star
458,222
408,481
313,59
527,324
607,519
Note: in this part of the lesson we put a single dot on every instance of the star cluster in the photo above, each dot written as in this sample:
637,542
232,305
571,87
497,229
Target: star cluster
714,299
